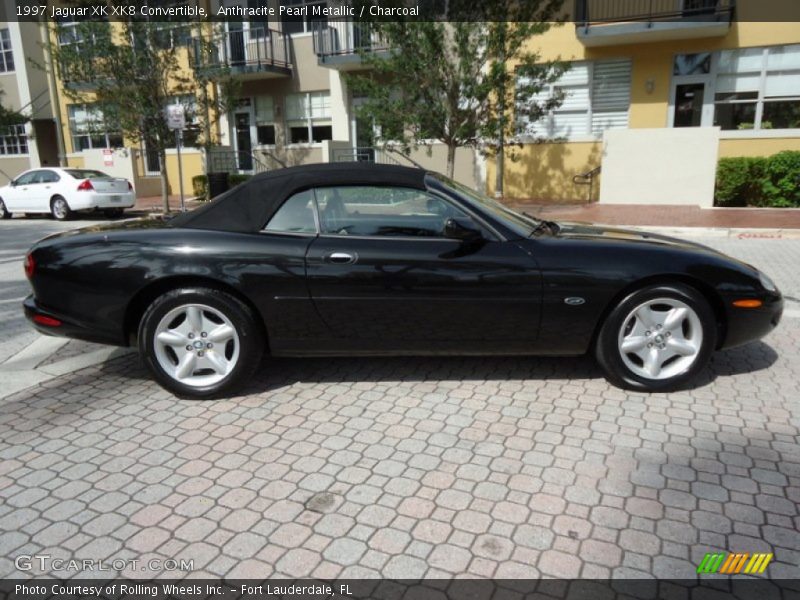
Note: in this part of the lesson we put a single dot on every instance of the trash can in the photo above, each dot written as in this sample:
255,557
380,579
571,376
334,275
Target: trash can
217,184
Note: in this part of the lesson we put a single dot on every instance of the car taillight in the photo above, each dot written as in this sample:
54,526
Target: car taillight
130,187
85,186
30,266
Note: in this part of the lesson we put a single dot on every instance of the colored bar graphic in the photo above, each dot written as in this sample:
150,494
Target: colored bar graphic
734,563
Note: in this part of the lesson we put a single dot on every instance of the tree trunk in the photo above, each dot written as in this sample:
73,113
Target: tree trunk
162,159
500,166
501,113
451,160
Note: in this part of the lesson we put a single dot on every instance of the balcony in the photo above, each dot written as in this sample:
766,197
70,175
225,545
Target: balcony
252,53
617,22
339,44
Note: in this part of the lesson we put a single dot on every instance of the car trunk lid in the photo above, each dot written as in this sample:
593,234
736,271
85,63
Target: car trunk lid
109,185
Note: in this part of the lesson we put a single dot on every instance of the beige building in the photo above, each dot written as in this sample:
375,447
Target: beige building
26,89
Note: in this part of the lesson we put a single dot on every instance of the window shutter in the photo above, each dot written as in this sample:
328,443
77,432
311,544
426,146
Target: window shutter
611,95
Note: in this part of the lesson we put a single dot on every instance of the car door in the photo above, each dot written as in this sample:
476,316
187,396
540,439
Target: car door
48,187
18,197
384,278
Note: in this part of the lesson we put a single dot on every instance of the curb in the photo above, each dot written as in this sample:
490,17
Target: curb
721,232
23,371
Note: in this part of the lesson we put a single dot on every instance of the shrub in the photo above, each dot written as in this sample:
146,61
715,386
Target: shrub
756,181
200,186
780,182
733,182
235,179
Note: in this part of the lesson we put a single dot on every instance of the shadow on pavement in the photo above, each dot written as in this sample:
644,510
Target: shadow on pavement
277,373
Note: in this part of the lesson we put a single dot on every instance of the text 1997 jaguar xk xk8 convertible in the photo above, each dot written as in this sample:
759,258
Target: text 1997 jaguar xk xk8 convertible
355,259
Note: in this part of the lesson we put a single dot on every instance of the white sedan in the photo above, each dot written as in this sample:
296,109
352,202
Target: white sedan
62,192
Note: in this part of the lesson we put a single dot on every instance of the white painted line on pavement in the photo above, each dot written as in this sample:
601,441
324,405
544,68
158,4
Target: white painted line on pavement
791,314
35,353
82,361
12,300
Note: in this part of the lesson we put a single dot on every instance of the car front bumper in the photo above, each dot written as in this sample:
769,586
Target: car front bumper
746,325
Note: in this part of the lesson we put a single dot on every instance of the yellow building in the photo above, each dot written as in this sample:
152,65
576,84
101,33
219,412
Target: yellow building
690,64
681,65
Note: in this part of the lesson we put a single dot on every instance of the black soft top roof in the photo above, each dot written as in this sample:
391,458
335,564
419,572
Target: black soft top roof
247,207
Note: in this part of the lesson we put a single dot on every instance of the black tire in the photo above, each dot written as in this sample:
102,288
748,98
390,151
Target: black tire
113,213
4,214
609,354
59,209
245,323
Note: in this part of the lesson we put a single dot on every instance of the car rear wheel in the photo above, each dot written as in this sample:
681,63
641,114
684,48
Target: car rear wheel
657,339
60,209
4,214
200,343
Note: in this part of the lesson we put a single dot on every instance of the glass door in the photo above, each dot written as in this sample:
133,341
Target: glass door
244,141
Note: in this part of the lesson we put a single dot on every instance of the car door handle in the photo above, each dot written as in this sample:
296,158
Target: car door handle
341,258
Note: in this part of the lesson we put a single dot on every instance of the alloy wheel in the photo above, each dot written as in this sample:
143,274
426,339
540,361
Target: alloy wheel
660,338
60,208
196,345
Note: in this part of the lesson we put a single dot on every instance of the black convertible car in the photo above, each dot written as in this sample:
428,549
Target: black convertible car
355,259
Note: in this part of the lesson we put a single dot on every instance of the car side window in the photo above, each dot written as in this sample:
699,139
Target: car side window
48,177
295,216
27,178
383,211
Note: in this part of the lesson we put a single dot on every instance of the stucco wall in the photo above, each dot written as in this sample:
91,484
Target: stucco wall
545,170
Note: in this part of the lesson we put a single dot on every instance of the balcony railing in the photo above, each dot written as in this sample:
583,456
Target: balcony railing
588,12
338,38
246,51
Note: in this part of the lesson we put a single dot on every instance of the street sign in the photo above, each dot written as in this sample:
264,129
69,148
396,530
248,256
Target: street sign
176,116
108,158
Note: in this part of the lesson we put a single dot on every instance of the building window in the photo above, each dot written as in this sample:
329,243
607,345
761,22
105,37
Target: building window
89,128
6,55
13,140
758,88
303,24
265,120
308,117
597,96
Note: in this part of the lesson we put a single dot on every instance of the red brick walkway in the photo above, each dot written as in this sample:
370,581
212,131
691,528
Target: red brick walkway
668,216
612,214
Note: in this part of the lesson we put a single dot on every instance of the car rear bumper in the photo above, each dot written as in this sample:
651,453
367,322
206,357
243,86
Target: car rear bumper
750,324
48,322
94,200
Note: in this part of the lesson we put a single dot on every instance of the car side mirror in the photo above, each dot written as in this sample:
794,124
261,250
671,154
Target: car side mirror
13,183
462,228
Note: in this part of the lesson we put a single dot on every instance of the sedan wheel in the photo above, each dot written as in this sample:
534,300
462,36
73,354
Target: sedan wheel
4,214
200,343
60,209
657,339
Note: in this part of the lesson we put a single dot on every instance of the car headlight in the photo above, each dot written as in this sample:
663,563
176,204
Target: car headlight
768,284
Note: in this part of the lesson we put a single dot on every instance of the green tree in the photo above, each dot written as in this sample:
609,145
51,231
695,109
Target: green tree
134,70
8,116
459,82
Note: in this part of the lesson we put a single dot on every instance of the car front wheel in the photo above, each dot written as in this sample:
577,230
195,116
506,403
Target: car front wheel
657,339
4,214
60,209
200,343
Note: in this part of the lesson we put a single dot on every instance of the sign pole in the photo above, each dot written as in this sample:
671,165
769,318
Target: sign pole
176,120
180,167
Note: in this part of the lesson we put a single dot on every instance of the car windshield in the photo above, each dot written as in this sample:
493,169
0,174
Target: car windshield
86,173
521,223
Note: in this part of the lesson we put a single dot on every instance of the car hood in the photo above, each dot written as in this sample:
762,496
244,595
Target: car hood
577,230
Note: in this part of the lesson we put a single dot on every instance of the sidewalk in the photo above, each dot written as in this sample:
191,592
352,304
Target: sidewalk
148,204
667,215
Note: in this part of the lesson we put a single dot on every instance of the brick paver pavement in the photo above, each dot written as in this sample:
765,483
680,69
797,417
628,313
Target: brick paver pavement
500,467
